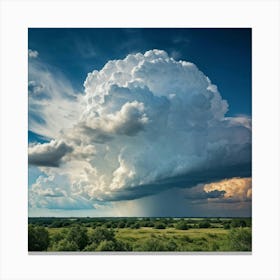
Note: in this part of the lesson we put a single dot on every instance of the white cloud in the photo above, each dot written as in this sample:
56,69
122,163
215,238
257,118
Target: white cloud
32,53
144,119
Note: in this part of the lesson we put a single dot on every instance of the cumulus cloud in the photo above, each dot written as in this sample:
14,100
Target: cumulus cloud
32,53
234,189
225,191
53,192
149,123
129,120
48,154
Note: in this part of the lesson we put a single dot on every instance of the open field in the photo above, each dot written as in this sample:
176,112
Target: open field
141,234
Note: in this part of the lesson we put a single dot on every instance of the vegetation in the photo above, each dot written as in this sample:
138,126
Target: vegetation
139,234
38,238
240,239
183,225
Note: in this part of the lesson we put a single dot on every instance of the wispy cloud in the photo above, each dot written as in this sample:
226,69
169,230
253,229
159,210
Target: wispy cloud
32,53
53,104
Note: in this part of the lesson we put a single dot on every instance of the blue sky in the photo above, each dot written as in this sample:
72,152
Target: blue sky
224,54
80,121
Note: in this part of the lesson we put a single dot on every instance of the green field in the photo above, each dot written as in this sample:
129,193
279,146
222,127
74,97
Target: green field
140,234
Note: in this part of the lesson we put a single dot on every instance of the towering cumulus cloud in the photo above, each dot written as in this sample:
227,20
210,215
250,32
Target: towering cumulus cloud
147,123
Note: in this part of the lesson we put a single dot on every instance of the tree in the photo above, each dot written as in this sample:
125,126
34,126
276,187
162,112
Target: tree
101,234
159,225
121,224
135,225
238,223
38,238
204,224
78,234
57,236
226,225
183,225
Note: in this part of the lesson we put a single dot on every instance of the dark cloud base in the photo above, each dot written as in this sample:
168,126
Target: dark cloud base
184,181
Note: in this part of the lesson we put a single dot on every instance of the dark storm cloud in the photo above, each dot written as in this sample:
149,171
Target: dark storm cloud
185,181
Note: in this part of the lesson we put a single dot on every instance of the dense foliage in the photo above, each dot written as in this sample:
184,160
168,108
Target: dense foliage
38,238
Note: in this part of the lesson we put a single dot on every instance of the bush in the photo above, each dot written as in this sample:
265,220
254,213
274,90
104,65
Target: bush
240,239
38,238
65,245
204,224
186,238
106,245
182,225
113,246
91,247
215,246
159,226
238,223
121,224
171,246
145,223
227,226
135,226
78,235
151,245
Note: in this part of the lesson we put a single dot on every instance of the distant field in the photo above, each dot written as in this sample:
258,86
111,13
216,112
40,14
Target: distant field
140,234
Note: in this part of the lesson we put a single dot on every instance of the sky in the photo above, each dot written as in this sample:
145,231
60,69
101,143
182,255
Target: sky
139,122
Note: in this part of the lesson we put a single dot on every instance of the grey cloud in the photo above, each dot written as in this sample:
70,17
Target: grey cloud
48,154
186,181
32,53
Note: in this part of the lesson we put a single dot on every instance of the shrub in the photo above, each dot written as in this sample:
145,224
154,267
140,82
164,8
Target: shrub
182,225
106,245
204,224
159,226
135,226
121,224
91,247
240,239
38,238
215,246
65,245
187,239
109,245
151,245
171,246
227,226
238,223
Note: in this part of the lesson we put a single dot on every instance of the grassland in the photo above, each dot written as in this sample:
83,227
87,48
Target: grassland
143,234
